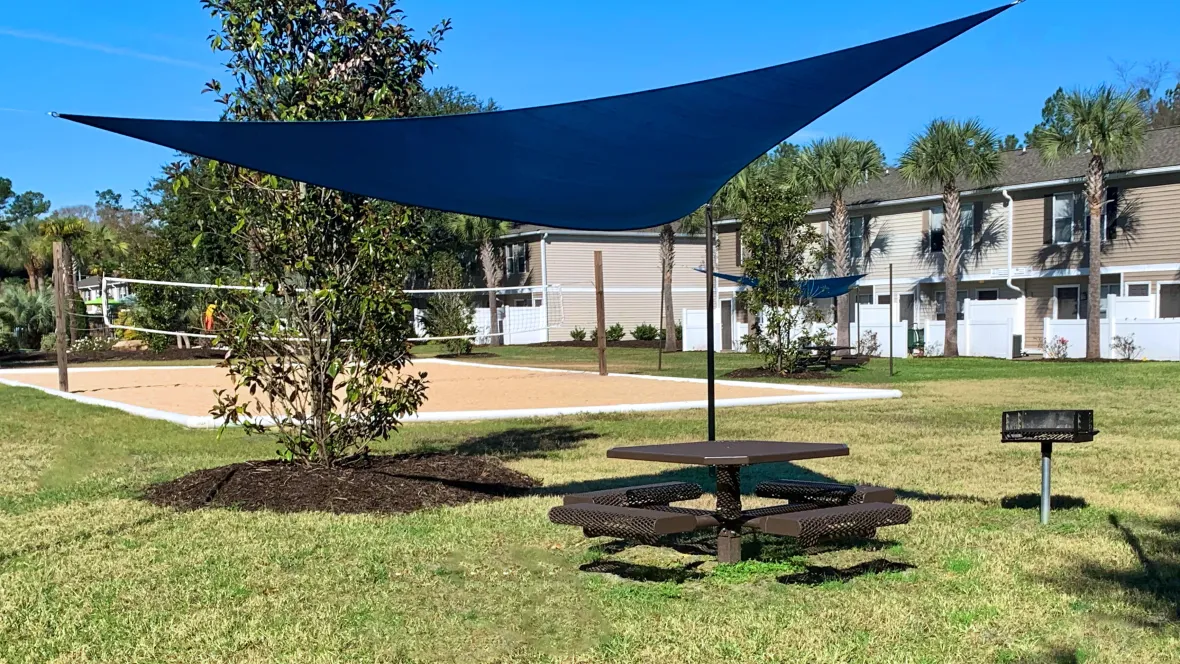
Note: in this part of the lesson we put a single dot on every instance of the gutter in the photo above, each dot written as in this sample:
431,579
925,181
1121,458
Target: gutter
545,263
1159,170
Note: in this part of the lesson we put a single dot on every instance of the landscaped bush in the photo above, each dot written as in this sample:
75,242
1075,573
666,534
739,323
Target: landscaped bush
27,313
1125,348
869,344
679,333
1057,348
615,332
578,334
645,332
8,341
49,342
92,344
449,314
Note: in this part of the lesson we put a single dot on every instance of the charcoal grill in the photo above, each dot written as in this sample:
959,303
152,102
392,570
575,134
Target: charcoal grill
1047,427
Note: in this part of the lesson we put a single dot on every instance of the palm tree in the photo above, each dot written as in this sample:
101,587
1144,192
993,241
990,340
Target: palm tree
831,167
27,313
944,155
22,246
690,225
483,232
1111,127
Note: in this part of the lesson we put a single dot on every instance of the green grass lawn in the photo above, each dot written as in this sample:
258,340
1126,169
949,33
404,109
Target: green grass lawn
88,572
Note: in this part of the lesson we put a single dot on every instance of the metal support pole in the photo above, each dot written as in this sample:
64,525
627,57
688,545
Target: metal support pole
712,403
660,342
1046,491
729,512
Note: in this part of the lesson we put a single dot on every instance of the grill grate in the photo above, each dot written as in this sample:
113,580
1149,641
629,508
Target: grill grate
1048,426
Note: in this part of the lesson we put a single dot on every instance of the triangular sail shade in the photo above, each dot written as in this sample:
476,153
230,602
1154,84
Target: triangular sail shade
615,163
816,289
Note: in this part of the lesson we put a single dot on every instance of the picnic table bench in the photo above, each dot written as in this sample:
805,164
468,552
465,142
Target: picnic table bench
825,355
813,511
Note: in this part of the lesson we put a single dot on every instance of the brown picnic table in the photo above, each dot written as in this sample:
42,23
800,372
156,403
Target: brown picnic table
815,509
824,353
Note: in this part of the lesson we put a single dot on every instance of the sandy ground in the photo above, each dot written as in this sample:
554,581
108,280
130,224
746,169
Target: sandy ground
451,387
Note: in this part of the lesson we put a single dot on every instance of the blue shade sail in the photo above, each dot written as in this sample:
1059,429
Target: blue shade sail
615,163
813,288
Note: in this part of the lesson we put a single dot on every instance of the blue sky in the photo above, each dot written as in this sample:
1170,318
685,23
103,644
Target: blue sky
150,58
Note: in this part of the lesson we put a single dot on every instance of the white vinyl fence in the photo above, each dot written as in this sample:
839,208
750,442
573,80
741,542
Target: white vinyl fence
1126,317
694,326
521,325
977,338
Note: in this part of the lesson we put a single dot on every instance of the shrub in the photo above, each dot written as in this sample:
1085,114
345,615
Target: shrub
1057,348
49,342
615,332
1125,348
645,332
868,344
679,333
8,341
92,344
449,314
578,334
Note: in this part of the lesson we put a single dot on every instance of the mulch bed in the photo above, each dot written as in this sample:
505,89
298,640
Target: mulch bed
758,372
39,359
379,484
626,343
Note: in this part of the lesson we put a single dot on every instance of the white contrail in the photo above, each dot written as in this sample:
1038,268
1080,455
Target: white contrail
101,48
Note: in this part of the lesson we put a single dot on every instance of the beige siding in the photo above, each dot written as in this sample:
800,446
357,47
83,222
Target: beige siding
632,279
727,250
1153,207
1038,304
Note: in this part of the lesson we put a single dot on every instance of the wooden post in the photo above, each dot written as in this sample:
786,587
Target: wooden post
600,306
61,329
891,320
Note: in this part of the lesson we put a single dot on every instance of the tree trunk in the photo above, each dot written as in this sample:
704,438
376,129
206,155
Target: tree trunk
841,259
952,244
667,261
491,273
1096,197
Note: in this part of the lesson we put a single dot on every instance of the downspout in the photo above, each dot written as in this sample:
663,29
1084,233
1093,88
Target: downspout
1011,226
1011,229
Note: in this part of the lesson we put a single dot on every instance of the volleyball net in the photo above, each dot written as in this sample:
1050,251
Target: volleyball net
524,314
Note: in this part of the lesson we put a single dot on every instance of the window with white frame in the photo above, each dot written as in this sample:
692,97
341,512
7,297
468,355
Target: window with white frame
966,226
856,237
516,258
1139,289
1071,210
1063,218
940,304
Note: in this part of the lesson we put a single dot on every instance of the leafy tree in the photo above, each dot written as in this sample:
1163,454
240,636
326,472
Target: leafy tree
1053,116
944,155
483,233
780,252
450,100
5,196
832,167
1110,127
447,315
27,206
325,343
1011,142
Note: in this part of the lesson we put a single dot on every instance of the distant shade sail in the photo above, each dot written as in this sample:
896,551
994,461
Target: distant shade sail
615,163
813,288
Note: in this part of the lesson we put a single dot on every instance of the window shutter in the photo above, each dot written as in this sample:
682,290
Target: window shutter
1112,213
926,222
864,237
737,247
977,222
1080,228
1047,229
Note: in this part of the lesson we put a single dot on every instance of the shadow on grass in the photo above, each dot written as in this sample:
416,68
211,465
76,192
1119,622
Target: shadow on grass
1153,584
651,573
6,556
1032,501
523,443
815,575
923,496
